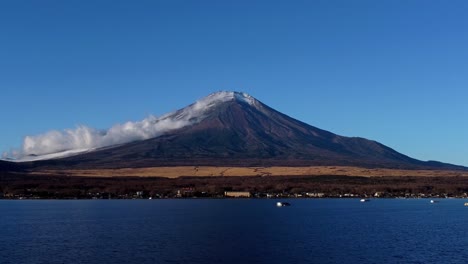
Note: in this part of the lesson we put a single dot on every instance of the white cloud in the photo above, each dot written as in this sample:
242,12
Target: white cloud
84,138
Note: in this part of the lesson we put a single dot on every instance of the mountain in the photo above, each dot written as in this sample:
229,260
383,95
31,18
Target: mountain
235,129
9,166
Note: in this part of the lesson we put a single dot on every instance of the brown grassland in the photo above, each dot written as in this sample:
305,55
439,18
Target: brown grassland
207,171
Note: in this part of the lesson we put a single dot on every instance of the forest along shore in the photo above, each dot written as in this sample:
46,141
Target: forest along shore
49,186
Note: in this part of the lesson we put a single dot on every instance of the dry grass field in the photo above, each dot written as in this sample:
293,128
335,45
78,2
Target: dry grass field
206,171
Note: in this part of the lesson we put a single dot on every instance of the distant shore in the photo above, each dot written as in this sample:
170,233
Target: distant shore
50,186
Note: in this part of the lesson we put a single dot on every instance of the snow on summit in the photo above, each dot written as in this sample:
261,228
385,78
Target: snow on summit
224,96
56,144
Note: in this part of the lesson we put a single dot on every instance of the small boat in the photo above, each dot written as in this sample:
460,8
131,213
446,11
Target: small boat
281,204
466,204
364,200
434,201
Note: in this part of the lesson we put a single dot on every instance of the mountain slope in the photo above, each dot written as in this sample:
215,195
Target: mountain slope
8,166
234,129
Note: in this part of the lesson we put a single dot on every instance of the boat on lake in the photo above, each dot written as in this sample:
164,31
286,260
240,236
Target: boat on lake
364,200
434,201
281,204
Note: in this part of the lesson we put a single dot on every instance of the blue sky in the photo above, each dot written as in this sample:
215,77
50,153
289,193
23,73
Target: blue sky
392,71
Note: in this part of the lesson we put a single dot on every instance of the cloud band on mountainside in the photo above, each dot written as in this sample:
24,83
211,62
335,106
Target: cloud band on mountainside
84,138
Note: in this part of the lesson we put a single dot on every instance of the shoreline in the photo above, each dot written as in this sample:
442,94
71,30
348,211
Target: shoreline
26,186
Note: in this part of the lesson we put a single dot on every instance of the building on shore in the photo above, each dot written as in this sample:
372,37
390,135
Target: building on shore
237,194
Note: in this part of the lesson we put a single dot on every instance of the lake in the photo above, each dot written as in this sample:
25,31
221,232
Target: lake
233,231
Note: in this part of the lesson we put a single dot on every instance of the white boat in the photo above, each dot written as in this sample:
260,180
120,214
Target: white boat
281,204
434,201
364,200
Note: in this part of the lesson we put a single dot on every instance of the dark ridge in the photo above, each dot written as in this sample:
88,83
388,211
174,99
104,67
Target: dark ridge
6,166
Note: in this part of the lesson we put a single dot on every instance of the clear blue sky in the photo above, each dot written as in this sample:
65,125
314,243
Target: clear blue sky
388,70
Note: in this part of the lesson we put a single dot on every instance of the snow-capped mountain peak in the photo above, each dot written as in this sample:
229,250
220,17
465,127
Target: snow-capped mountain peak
224,96
198,110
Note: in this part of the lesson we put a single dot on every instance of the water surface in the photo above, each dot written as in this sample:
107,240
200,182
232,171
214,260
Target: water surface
234,231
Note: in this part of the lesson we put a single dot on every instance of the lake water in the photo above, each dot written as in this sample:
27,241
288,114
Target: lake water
234,231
